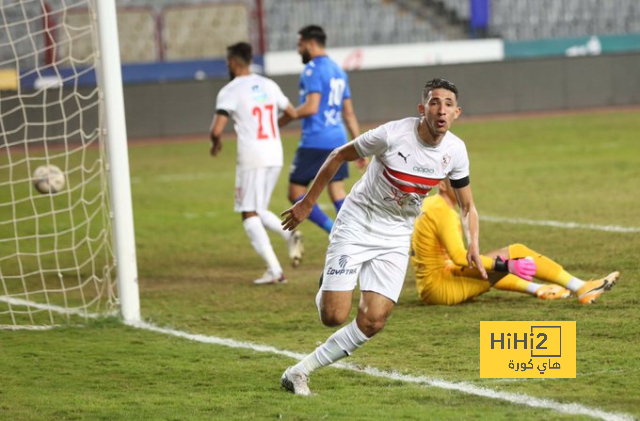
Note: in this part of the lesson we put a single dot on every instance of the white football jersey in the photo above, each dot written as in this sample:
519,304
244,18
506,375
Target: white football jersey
387,199
253,101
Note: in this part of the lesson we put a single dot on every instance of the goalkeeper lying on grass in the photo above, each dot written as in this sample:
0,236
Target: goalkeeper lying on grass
438,257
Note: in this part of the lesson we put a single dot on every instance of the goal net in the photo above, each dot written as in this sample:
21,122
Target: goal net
57,255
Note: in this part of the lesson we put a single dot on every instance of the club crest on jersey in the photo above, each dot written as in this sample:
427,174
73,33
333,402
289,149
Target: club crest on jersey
258,93
446,160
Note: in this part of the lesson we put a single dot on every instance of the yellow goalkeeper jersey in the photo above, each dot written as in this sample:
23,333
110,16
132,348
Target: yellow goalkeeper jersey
437,240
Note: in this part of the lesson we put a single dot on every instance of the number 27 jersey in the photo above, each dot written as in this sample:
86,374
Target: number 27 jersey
253,102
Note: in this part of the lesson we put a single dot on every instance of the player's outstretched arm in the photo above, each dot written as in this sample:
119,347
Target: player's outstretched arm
217,126
351,121
471,226
302,208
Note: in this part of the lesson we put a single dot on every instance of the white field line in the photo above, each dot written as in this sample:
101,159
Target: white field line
12,327
559,224
463,387
542,223
169,178
47,307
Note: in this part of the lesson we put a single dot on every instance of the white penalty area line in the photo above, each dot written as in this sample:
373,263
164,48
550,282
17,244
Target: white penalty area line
170,178
463,387
559,224
544,223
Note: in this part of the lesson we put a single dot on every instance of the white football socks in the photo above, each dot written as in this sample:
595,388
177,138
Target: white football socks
575,284
261,243
339,345
319,303
533,287
271,222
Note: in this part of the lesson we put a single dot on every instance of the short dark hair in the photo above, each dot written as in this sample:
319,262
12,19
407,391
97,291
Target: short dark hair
240,50
438,83
313,32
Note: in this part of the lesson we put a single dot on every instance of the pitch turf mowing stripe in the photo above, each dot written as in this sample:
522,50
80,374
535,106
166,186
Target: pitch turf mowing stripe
463,387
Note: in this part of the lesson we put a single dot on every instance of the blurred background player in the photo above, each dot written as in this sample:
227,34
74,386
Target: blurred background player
325,102
253,101
438,260
371,239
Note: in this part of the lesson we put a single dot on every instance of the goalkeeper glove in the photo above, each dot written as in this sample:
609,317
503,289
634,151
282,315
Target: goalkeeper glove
523,268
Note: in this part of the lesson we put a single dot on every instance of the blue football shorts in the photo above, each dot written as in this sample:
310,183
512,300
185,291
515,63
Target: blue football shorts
307,163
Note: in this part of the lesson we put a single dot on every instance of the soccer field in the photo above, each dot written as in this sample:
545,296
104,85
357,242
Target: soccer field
565,185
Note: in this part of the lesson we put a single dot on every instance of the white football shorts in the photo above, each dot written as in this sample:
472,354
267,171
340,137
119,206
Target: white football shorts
381,266
254,187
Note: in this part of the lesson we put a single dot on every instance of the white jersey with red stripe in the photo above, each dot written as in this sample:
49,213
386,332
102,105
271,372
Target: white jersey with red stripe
253,101
386,200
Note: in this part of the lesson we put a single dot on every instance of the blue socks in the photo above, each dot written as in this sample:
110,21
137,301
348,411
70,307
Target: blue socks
319,218
338,205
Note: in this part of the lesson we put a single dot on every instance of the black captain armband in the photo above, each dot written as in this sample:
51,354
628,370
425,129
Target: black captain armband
501,265
223,112
458,184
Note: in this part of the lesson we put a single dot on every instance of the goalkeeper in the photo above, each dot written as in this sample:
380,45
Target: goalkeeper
443,277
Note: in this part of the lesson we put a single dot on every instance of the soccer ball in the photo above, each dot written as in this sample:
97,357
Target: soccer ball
48,179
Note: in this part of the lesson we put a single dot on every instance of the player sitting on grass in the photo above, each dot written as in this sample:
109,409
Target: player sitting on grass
253,101
438,257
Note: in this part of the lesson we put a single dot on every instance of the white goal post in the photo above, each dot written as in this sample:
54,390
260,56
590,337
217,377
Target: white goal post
72,253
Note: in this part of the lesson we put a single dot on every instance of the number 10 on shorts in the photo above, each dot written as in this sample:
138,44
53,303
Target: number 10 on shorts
528,349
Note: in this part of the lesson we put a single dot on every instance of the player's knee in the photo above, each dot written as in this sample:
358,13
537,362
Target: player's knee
332,319
250,214
371,325
518,250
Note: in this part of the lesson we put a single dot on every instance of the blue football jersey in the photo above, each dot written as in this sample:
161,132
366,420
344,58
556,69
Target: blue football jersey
324,130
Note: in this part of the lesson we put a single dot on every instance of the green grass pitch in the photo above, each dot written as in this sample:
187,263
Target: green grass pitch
196,267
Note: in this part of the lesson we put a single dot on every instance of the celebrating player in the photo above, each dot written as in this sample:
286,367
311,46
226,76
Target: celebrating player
325,100
372,233
437,258
253,101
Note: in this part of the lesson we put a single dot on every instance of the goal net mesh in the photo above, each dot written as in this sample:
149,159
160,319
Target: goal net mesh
56,255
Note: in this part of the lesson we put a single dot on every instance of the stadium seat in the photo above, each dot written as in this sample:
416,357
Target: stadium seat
523,19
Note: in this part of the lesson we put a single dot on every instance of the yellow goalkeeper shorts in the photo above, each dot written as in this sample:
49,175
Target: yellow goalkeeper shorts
450,286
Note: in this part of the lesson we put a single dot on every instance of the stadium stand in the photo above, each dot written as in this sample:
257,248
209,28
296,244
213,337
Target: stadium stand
347,23
215,26
18,21
152,30
526,20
